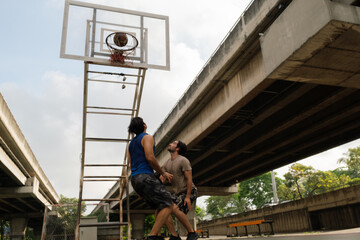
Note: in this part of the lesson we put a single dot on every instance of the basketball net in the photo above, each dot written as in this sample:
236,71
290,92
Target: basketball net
121,45
117,56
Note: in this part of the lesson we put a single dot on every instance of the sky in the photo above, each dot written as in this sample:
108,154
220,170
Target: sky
44,91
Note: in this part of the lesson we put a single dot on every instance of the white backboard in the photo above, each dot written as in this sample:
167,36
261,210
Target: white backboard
86,27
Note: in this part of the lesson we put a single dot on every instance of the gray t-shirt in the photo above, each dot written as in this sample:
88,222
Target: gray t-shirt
177,168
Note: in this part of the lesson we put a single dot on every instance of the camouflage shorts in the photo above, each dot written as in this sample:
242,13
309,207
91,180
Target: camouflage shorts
151,190
178,199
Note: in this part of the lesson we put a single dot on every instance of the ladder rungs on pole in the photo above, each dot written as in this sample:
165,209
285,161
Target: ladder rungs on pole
111,113
105,165
110,108
101,180
103,224
100,199
104,177
107,139
109,81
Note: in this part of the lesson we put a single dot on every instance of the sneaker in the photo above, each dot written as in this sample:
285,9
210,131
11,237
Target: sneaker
154,238
174,238
192,236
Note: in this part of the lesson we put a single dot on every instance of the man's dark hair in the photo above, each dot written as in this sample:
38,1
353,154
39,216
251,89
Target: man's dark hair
182,147
136,125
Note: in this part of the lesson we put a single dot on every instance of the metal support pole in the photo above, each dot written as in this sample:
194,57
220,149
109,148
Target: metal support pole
77,230
93,34
276,199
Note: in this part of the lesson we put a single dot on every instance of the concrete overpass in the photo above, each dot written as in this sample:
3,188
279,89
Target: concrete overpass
24,187
283,85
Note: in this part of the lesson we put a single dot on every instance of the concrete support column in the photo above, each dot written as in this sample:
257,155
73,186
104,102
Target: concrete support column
192,216
192,219
37,232
137,224
17,228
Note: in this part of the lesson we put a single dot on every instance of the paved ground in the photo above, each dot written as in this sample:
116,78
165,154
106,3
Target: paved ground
348,234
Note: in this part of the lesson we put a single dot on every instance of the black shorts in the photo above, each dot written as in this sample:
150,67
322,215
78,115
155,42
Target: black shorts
178,199
151,190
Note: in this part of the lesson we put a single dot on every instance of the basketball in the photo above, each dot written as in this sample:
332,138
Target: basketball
120,39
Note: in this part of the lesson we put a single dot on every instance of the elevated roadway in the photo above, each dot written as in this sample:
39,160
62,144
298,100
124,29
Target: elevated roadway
24,187
283,85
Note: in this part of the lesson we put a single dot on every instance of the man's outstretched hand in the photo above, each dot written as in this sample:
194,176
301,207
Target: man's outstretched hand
187,203
166,176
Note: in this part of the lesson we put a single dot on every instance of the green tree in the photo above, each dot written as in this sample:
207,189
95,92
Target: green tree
149,222
285,193
200,213
4,226
257,191
296,177
29,234
253,193
68,212
304,181
322,182
220,206
352,161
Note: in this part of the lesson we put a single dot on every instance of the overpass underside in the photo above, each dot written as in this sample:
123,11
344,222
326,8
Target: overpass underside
272,94
284,123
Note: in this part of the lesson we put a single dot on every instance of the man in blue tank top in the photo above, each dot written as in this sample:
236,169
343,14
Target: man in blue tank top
145,183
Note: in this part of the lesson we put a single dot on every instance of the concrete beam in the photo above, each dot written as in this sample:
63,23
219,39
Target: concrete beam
26,204
31,190
21,215
325,51
11,205
17,192
217,191
10,168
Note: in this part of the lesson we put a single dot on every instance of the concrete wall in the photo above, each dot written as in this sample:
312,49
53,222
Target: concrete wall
88,233
333,210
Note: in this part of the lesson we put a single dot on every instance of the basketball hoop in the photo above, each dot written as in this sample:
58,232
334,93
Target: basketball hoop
121,44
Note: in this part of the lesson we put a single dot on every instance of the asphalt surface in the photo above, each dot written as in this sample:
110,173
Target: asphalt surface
347,234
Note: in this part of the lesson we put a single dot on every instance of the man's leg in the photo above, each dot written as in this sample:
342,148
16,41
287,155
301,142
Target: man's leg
169,224
179,210
182,218
154,193
160,220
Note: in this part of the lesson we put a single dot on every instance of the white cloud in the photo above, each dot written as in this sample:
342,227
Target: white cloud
51,123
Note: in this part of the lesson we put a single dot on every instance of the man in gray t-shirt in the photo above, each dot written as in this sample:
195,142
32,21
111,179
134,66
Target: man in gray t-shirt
181,169
185,192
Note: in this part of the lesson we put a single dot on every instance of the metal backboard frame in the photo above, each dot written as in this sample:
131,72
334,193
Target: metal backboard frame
87,25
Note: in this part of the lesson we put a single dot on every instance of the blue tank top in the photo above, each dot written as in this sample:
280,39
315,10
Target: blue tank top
139,164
